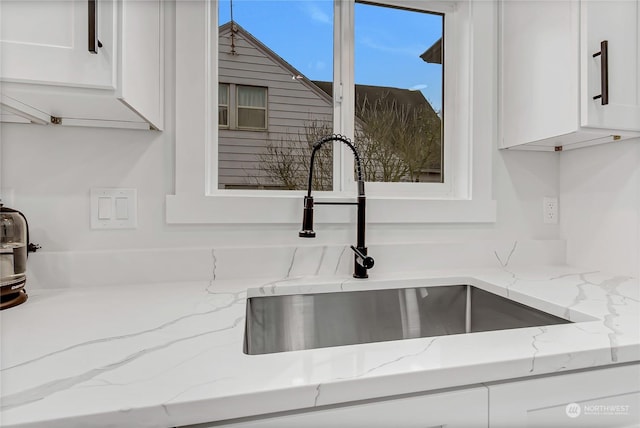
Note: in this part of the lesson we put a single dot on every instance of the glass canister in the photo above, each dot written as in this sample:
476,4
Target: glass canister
13,257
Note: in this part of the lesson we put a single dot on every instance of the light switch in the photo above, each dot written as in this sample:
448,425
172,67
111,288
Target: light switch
122,208
104,208
114,208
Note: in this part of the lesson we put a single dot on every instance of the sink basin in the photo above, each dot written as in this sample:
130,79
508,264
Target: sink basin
307,321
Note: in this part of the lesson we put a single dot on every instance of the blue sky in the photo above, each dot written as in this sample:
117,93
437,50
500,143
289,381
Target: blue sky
387,47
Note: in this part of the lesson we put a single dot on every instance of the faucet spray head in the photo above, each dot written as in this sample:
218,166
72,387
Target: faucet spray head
307,219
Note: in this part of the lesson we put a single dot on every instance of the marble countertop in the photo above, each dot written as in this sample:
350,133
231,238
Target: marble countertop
170,354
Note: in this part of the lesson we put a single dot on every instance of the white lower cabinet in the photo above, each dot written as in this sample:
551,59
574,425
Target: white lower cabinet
605,398
465,408
598,398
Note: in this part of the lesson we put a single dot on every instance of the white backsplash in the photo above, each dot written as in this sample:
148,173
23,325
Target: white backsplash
105,268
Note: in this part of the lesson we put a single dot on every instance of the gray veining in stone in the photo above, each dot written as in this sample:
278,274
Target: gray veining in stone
44,390
237,298
273,284
293,260
534,345
182,380
580,297
215,264
506,262
378,367
504,265
340,259
324,251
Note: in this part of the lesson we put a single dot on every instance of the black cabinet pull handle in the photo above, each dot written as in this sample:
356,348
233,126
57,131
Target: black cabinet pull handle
94,43
604,72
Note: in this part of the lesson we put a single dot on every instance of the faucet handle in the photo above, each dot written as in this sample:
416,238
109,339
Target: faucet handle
307,219
362,259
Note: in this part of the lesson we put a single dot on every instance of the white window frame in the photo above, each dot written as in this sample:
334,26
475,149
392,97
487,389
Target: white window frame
470,35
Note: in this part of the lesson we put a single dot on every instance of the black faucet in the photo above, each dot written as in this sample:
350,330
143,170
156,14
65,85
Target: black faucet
362,262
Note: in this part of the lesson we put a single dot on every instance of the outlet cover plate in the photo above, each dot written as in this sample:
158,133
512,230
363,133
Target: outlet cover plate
550,210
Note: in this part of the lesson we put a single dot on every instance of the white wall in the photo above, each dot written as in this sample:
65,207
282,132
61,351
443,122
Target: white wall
51,170
600,206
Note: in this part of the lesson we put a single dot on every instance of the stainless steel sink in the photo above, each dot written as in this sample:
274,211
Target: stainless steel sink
307,321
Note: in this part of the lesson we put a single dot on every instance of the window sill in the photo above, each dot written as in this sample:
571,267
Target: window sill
287,209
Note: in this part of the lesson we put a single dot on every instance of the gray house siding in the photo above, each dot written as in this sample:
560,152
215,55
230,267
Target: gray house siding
292,103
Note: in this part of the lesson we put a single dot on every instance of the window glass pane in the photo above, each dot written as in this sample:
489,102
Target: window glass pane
249,96
251,118
223,94
399,93
223,116
223,104
277,57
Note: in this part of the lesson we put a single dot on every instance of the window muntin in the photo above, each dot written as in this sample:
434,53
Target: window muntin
223,105
251,107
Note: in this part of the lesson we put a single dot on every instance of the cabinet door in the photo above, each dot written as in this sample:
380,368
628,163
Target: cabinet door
142,60
465,408
538,69
616,22
47,42
607,398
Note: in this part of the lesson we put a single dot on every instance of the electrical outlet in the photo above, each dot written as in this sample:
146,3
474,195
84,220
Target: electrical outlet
550,210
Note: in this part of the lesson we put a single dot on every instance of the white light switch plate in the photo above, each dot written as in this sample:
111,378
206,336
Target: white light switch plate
114,208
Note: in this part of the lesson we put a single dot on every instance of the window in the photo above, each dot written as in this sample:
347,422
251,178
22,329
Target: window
469,86
398,93
223,105
249,110
252,107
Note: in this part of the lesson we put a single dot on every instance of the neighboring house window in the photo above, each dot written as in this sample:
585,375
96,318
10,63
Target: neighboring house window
223,105
252,107
249,110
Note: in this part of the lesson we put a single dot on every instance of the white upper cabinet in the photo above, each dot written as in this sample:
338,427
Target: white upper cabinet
611,27
569,73
83,62
47,42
